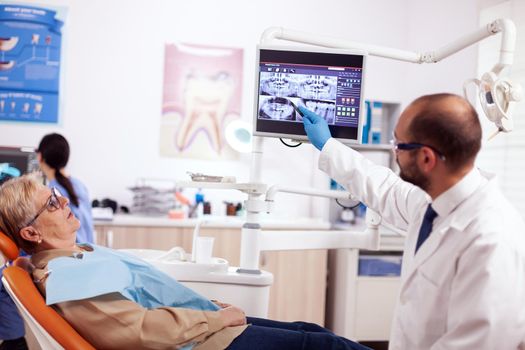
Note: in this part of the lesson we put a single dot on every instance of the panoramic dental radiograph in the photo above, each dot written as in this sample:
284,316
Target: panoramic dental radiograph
318,87
277,108
287,91
278,84
325,109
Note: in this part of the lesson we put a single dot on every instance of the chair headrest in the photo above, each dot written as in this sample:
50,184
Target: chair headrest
8,248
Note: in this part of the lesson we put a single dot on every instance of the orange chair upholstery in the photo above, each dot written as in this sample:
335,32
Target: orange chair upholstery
32,306
8,248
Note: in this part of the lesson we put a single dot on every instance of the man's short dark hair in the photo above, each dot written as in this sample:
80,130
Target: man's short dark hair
449,123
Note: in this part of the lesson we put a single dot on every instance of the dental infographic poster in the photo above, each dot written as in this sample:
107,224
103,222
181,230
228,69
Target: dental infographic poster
30,43
202,95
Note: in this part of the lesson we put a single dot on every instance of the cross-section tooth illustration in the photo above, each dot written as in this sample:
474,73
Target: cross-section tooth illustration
206,102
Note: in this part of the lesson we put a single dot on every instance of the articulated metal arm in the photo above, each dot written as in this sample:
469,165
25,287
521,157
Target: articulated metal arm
497,94
505,26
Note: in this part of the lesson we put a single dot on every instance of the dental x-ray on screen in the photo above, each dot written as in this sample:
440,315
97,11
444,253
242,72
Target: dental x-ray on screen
327,82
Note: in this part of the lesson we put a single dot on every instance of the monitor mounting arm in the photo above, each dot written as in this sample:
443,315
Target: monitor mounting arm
497,94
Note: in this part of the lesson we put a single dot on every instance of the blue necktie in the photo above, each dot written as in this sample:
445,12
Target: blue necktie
426,226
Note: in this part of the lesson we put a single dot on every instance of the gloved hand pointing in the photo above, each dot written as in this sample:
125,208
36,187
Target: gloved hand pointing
316,128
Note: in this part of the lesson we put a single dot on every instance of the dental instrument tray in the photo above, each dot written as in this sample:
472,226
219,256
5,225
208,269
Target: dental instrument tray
198,177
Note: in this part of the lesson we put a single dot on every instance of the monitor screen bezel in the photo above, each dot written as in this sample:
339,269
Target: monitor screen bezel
298,137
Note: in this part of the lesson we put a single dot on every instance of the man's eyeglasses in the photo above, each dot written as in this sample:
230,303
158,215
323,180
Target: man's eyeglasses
53,203
401,146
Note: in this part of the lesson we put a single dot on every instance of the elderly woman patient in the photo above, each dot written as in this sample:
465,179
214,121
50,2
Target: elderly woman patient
117,301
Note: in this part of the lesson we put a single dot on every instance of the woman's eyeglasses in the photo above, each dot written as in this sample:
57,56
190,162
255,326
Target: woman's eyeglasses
52,204
401,146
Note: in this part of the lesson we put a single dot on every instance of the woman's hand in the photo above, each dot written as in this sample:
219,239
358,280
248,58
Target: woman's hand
232,316
220,304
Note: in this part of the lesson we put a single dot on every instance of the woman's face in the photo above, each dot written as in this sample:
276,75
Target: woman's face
57,227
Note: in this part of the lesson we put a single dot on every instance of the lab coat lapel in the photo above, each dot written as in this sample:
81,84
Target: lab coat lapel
456,222
426,250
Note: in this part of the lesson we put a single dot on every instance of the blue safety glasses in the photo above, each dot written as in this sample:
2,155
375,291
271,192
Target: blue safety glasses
401,146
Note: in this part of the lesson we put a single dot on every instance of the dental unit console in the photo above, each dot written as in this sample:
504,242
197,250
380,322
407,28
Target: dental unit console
328,82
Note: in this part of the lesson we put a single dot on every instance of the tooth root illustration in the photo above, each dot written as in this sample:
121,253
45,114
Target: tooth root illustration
38,108
206,102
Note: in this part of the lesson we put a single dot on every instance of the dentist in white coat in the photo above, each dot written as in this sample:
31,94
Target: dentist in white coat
463,276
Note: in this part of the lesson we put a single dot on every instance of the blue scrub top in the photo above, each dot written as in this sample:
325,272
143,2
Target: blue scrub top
82,212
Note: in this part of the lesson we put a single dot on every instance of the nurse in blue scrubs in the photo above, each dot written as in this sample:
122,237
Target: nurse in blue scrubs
53,155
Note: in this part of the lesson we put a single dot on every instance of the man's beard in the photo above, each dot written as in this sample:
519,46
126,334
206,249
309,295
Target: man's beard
412,174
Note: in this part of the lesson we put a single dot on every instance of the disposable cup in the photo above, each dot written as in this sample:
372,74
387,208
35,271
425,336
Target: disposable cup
204,250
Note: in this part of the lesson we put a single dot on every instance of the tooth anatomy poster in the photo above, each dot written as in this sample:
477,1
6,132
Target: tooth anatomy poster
30,43
202,95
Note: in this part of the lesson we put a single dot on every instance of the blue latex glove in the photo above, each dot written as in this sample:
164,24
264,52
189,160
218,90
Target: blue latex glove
316,128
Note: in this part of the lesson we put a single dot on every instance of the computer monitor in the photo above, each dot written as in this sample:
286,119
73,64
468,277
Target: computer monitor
328,82
15,161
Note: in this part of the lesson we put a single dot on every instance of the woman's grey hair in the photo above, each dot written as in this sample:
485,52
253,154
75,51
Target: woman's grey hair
17,205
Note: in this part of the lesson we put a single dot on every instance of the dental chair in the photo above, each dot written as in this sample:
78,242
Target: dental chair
49,328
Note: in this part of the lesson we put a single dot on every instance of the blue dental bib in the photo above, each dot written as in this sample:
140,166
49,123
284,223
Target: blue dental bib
103,271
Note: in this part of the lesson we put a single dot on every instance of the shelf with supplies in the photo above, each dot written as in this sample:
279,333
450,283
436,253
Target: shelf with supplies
378,130
379,122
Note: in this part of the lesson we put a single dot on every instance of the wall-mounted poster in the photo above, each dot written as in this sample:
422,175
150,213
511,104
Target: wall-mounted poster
202,95
30,43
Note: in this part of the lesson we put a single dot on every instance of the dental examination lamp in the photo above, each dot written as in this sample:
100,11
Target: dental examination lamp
497,94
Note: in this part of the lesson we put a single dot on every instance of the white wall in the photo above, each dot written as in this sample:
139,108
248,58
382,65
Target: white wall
113,79
434,24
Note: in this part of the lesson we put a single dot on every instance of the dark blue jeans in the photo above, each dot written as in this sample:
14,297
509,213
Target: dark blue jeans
264,334
11,323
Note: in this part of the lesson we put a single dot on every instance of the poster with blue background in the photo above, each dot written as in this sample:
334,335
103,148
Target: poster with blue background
30,44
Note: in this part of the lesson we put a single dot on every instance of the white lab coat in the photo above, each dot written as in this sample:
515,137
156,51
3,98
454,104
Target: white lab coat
465,288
